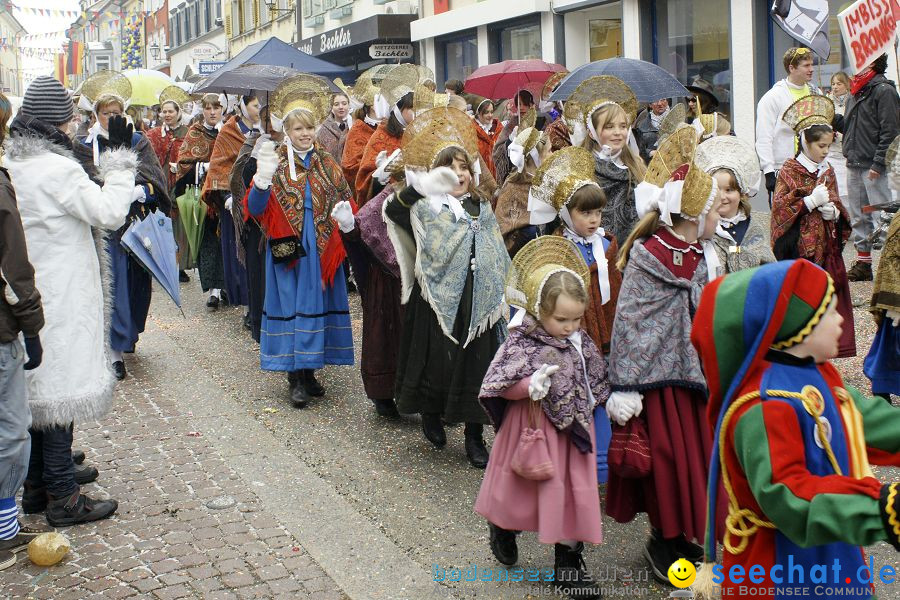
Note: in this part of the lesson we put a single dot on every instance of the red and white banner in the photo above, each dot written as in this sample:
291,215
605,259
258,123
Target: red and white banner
868,28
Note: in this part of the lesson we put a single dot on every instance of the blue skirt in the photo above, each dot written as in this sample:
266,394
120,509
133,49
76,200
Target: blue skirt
304,326
131,292
882,365
234,272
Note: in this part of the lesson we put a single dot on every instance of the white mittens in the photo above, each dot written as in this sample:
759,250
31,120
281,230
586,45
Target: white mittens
260,142
173,167
138,194
266,164
202,168
382,162
829,211
229,202
818,197
621,406
440,180
894,317
540,381
343,214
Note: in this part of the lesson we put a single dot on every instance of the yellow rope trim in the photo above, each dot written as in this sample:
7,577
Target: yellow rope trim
819,425
891,511
817,316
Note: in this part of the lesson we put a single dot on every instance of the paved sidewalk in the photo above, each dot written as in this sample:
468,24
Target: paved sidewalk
165,542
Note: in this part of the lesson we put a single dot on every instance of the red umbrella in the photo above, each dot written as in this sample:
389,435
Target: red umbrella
504,79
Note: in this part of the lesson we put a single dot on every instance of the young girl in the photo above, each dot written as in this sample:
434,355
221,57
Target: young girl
740,240
549,377
600,111
306,320
808,218
453,264
793,443
654,372
526,152
365,120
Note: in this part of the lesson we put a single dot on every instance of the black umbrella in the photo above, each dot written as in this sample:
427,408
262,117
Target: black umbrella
251,78
648,81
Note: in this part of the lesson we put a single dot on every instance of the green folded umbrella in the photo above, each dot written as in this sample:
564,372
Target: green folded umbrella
192,211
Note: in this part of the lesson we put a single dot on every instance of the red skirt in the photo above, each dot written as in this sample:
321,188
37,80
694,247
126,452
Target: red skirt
674,493
834,265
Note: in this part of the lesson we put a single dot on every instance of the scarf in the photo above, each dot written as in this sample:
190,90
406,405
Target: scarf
578,387
595,242
720,228
25,125
817,169
224,153
655,119
859,81
196,148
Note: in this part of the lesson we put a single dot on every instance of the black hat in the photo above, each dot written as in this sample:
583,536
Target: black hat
701,87
47,100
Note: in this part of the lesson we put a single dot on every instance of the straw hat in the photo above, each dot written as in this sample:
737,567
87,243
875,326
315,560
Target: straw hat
174,94
734,154
535,263
808,111
104,85
301,92
436,130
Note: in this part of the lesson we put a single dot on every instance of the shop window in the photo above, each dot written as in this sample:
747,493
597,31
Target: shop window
460,57
518,42
605,38
694,42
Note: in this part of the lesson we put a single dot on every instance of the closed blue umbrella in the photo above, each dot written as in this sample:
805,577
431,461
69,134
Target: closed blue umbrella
151,242
649,82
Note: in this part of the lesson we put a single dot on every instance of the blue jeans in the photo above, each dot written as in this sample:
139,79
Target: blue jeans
51,460
15,419
863,192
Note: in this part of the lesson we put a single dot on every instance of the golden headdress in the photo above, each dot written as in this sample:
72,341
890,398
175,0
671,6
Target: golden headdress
362,92
565,172
678,150
424,98
592,94
552,82
528,139
377,73
892,157
301,92
734,154
675,119
175,94
535,263
103,85
808,111
714,124
402,80
436,130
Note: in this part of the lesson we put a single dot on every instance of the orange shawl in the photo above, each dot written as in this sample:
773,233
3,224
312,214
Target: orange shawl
486,142
380,140
354,146
196,147
224,153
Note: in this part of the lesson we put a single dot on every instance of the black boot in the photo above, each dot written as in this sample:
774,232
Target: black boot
476,451
183,277
313,387
119,369
503,545
660,554
78,508
34,498
86,474
386,408
572,577
683,548
434,429
299,397
78,456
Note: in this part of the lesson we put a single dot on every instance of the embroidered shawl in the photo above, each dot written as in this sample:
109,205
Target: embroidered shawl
754,249
354,146
374,234
567,405
619,216
558,132
380,140
440,258
197,146
224,153
512,214
166,147
796,232
651,346
486,142
886,290
283,216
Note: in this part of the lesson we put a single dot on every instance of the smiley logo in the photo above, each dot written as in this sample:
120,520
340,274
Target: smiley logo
682,573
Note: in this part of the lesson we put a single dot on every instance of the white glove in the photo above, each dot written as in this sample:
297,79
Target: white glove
382,162
173,167
698,127
229,202
202,168
266,164
260,142
138,194
343,214
441,180
894,316
540,381
621,406
817,198
829,211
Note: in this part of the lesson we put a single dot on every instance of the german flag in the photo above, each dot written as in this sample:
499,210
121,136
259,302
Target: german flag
59,67
75,62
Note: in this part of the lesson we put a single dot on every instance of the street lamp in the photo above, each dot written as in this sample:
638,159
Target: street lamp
274,9
154,50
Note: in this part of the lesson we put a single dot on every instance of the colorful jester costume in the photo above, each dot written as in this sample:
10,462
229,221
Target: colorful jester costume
792,443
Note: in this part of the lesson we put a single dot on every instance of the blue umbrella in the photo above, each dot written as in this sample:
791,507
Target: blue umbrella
152,243
649,82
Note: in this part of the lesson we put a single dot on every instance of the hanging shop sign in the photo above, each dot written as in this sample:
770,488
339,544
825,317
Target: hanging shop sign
389,51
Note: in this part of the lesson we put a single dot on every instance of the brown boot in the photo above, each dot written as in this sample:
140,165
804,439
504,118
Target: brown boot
860,271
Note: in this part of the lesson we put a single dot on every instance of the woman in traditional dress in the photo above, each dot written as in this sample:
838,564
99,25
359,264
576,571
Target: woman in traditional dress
193,162
306,322
107,93
839,94
333,133
166,141
452,264
364,123
487,128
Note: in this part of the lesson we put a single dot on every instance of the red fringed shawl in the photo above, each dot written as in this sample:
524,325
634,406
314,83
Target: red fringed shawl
196,147
166,147
224,153
283,216
486,142
354,146
380,140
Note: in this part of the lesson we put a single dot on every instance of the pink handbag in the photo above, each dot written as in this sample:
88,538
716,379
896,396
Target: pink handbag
531,460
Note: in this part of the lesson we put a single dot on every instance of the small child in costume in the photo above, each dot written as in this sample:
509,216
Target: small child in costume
792,443
546,377
564,186
740,240
808,219
653,370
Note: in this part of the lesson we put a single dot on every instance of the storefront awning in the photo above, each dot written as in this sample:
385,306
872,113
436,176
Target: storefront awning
366,31
564,6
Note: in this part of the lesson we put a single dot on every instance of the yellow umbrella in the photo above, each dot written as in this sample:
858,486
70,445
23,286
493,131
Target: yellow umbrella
146,84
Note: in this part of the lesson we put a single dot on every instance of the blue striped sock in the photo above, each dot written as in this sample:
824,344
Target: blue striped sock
9,518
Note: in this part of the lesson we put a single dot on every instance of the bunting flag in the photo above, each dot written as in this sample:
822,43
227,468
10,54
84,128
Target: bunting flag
44,12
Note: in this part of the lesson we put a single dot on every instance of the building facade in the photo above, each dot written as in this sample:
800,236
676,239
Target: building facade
251,21
197,40
156,35
11,72
99,29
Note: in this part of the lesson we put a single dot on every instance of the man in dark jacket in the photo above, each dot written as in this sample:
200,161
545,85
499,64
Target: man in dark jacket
20,311
869,125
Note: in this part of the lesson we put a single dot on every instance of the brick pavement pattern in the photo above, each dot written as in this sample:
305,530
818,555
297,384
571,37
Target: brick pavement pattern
164,542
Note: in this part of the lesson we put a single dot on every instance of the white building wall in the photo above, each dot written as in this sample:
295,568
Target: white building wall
743,64
577,32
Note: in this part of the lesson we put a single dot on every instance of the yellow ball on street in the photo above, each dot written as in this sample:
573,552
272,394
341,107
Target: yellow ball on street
48,549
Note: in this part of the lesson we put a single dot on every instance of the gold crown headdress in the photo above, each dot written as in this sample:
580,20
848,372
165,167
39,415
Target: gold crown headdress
565,172
551,84
714,124
362,92
106,84
674,120
436,130
175,94
679,149
377,73
300,92
808,111
424,98
734,154
592,94
892,157
402,80
535,263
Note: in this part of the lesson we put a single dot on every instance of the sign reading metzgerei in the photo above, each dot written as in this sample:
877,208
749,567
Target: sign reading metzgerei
386,51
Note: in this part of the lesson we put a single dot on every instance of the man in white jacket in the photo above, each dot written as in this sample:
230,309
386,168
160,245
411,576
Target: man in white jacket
775,141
